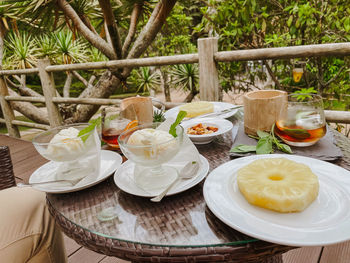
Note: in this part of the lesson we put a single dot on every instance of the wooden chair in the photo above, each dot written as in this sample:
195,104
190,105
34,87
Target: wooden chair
7,177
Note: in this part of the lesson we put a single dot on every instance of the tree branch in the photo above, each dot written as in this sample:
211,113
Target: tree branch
111,26
273,76
28,110
79,77
135,14
151,29
23,90
94,39
336,76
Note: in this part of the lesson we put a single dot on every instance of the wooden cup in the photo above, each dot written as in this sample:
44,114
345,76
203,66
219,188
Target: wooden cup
261,109
142,106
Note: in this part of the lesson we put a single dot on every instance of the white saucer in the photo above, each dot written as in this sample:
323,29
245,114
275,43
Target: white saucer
110,161
124,179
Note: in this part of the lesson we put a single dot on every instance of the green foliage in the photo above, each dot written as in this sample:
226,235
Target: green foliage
21,51
185,76
145,80
265,145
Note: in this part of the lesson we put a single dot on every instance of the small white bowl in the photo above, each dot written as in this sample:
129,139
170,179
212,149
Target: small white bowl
222,125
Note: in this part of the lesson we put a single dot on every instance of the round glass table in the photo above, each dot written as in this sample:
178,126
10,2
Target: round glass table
180,228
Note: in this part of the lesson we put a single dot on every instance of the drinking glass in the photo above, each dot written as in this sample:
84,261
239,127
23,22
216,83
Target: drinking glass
115,121
301,121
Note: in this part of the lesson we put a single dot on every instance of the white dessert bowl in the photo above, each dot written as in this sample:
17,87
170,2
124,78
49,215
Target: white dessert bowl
149,148
75,156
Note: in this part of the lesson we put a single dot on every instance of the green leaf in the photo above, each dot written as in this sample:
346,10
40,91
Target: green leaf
284,148
242,148
85,133
179,118
264,146
262,134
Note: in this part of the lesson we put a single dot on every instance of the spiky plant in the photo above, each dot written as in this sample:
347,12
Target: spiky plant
70,50
146,81
22,50
185,76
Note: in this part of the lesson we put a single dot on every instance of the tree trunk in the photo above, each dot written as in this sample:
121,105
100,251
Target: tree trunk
165,85
103,89
67,85
29,110
191,96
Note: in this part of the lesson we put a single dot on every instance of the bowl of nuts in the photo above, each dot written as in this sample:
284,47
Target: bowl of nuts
204,130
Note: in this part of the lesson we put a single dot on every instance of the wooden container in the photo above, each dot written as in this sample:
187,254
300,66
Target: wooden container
261,109
142,106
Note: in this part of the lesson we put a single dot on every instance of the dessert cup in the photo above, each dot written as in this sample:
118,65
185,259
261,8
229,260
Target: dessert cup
74,156
150,153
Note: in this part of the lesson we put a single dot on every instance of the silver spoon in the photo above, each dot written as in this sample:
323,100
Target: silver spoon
187,172
73,182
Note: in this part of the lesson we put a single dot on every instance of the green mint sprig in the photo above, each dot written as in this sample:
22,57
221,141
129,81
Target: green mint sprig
266,144
179,118
84,133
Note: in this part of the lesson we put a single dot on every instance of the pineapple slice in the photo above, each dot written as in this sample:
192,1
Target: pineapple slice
196,108
278,184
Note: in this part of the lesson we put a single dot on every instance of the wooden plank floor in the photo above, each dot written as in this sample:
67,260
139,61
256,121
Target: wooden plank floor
25,163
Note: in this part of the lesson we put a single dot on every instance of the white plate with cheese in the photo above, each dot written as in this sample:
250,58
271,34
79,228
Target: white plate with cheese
218,106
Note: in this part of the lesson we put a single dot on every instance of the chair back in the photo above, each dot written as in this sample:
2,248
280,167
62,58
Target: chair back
7,177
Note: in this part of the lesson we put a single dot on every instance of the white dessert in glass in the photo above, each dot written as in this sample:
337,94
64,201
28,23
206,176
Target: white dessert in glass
149,148
75,156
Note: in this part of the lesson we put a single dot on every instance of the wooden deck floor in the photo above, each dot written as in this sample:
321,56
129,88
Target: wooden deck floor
22,159
339,253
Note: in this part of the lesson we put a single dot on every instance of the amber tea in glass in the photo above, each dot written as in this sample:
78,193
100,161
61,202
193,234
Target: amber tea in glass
116,121
301,121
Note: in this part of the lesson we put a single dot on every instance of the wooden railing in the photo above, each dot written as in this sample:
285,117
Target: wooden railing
207,57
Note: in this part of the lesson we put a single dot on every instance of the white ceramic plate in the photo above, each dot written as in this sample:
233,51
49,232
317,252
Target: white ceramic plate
110,161
218,106
222,125
326,221
123,178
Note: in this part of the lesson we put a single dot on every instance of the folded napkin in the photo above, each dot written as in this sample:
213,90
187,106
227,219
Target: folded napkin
324,149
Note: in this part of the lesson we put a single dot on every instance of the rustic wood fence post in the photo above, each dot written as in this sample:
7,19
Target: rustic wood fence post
208,73
7,110
49,90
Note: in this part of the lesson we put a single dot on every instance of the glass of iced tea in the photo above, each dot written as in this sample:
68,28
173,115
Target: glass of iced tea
115,121
301,121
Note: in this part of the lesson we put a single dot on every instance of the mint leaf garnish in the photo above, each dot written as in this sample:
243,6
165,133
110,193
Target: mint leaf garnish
242,148
84,133
179,118
265,145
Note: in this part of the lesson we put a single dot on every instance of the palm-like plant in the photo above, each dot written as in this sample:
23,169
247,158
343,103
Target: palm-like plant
186,77
70,50
147,81
47,46
22,50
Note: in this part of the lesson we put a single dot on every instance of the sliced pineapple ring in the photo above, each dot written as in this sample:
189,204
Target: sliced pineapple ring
278,184
196,108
